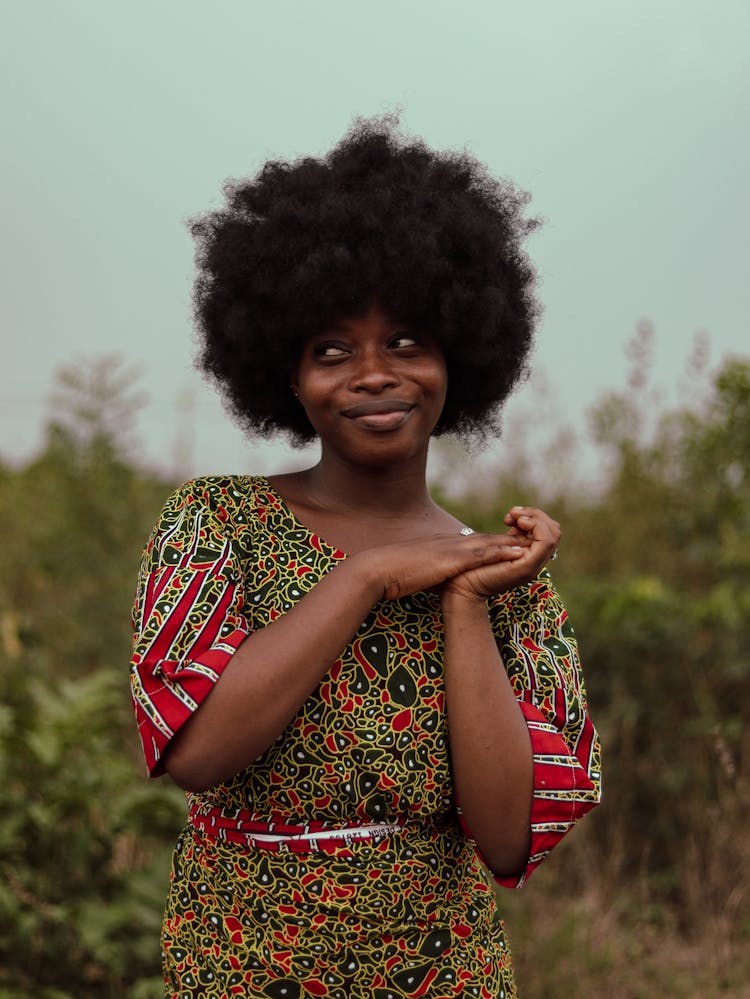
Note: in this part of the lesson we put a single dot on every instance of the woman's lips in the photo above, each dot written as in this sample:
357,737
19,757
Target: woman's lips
379,415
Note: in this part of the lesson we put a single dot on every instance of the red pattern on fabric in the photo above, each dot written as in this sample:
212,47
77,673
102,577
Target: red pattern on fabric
242,827
173,688
551,781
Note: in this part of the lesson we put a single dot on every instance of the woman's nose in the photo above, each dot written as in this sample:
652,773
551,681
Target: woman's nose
373,372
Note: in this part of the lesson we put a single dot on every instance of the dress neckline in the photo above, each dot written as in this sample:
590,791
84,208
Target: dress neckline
336,552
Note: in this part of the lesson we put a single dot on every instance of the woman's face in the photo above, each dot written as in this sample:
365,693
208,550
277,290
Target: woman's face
372,388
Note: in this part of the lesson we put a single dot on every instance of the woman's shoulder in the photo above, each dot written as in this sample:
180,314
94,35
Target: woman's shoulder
230,499
201,516
218,491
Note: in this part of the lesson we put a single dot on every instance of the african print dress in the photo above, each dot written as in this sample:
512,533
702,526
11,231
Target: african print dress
336,865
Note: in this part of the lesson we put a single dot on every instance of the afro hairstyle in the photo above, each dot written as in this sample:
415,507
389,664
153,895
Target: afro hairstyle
429,236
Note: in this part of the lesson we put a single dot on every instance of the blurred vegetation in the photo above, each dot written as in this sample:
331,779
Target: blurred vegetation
648,898
84,839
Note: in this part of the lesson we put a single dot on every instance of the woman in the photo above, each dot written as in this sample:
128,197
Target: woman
366,702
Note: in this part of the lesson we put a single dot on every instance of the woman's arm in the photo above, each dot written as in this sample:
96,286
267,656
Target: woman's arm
525,772
491,753
269,677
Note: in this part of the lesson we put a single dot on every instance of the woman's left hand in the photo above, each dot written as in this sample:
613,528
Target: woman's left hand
538,534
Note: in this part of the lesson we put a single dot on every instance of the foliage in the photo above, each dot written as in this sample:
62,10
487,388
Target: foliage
649,896
660,573
83,839
655,571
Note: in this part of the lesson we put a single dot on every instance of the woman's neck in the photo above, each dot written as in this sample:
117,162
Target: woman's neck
378,492
358,508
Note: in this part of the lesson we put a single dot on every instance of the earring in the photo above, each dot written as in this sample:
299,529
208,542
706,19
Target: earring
294,391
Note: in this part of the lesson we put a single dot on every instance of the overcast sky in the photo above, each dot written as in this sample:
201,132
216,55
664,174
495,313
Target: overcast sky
627,122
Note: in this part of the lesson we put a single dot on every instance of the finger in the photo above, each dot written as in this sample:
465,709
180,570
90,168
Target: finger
488,548
541,532
538,525
517,513
516,537
544,537
500,575
510,536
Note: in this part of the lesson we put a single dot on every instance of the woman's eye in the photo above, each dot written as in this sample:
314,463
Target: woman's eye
403,340
329,350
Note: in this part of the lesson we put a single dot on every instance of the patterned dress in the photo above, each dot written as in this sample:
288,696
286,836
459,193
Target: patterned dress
266,898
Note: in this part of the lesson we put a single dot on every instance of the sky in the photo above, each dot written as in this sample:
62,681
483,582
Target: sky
627,122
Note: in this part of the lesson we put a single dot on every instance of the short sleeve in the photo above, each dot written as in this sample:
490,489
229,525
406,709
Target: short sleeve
188,618
540,654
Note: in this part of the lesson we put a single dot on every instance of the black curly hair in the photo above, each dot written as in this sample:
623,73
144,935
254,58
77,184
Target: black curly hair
429,236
